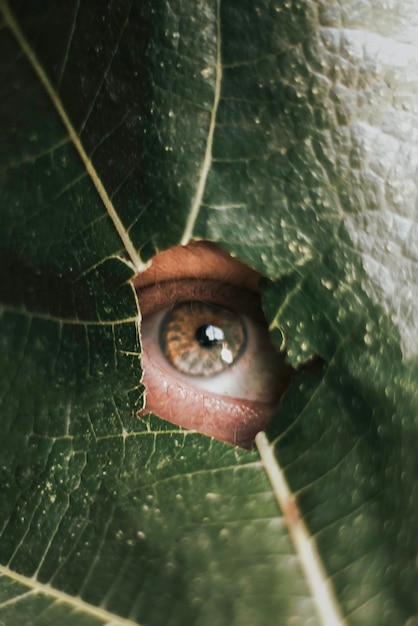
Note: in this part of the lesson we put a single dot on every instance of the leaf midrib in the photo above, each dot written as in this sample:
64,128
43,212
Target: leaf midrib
304,544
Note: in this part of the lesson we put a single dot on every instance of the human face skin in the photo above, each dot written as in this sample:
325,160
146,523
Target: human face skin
235,420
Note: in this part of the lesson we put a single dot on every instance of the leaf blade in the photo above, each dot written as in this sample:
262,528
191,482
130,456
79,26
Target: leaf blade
324,295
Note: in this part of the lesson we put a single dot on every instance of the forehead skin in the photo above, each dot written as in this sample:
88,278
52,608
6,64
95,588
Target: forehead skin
199,259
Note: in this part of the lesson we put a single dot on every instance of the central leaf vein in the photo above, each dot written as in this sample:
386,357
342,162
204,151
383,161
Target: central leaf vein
316,577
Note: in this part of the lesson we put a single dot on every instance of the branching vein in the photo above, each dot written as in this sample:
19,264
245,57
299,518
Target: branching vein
135,259
76,603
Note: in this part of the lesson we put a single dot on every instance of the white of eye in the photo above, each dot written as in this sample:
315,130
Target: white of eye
260,374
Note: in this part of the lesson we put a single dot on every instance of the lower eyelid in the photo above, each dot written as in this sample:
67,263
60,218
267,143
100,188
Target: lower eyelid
234,421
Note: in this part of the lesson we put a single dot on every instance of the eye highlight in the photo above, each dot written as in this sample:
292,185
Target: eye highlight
201,339
208,361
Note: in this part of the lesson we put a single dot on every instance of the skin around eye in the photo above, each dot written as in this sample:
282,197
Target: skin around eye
208,363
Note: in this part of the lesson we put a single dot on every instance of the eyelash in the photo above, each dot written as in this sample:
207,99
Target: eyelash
155,297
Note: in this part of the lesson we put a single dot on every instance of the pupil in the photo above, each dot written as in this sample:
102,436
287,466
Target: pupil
208,335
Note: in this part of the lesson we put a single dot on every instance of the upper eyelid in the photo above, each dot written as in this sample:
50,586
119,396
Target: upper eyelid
159,295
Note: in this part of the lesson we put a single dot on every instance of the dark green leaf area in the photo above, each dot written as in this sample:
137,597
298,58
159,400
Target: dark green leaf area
62,384
51,611
182,71
268,185
56,235
43,290
276,26
51,210
159,525
65,386
54,227
343,434
136,80
60,377
319,306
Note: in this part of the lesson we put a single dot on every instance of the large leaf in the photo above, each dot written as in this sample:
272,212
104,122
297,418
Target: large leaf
285,132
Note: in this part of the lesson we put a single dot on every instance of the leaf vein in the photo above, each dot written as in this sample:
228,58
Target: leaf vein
316,577
68,321
135,259
76,603
70,39
207,161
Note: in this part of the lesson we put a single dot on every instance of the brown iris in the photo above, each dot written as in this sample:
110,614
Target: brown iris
201,339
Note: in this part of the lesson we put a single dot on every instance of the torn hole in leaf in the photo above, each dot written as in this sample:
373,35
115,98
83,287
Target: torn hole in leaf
209,363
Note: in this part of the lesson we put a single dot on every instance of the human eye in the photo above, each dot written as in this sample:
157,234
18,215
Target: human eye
208,361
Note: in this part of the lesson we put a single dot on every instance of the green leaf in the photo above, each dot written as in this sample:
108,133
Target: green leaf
285,132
